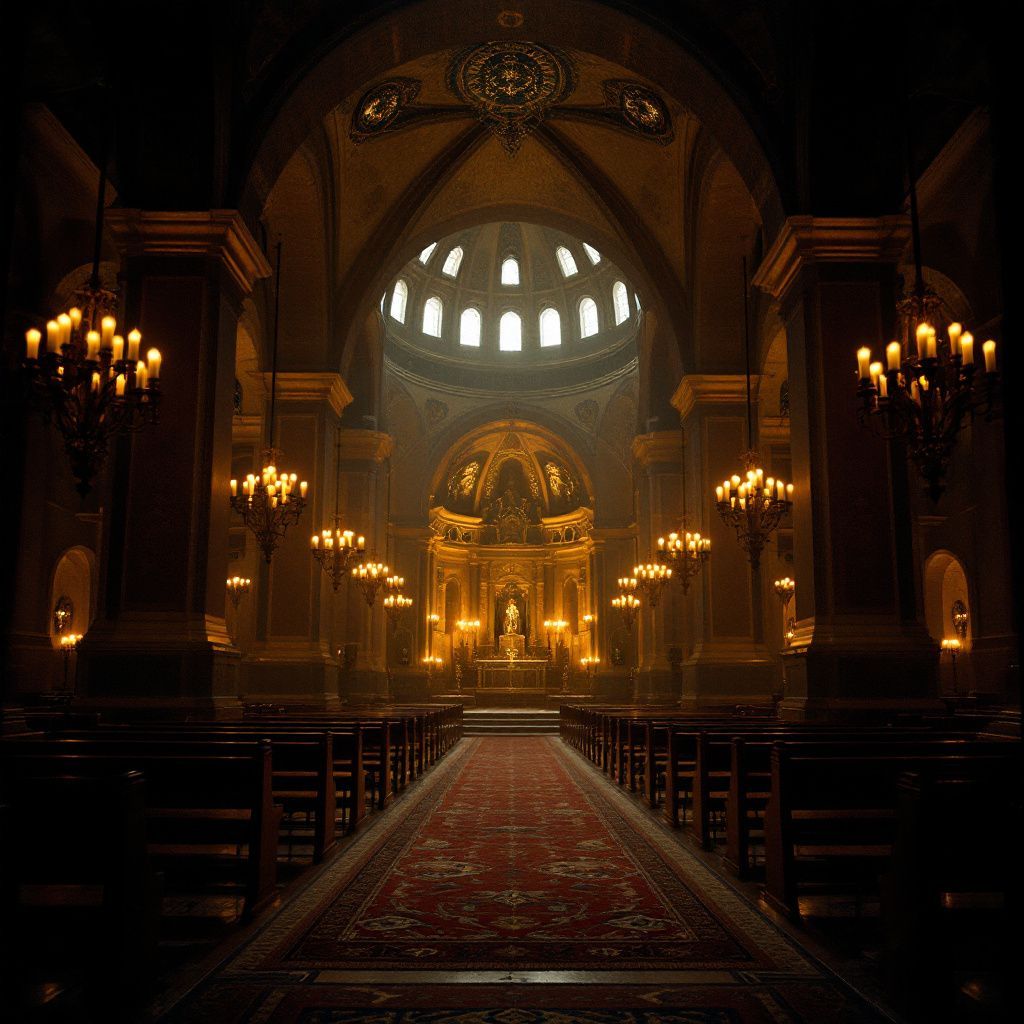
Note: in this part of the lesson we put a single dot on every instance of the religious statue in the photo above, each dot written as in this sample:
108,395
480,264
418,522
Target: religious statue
560,483
511,619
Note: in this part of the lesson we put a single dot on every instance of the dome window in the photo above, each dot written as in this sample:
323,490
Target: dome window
620,299
454,261
399,297
565,261
510,333
592,254
550,328
427,253
432,310
588,317
510,271
469,328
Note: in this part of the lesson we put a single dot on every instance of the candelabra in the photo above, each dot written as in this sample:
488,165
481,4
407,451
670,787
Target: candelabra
753,506
952,645
468,626
336,551
268,503
627,604
652,578
589,665
395,605
784,589
555,626
686,552
237,588
370,576
433,665
68,644
90,382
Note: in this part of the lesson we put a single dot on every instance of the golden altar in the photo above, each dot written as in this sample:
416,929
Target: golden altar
519,674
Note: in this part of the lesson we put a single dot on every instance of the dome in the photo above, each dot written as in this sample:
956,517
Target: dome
524,298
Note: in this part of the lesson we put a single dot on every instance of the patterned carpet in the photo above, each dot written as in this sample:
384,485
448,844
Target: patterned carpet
516,873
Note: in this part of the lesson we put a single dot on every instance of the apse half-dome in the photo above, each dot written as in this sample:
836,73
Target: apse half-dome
516,298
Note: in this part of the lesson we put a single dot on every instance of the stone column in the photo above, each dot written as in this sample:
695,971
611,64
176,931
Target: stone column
657,456
860,647
293,659
730,662
363,507
161,638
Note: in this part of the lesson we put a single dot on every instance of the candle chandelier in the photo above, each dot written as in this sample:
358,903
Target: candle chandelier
269,503
627,604
395,606
687,553
652,578
370,576
237,588
753,505
930,383
337,550
88,379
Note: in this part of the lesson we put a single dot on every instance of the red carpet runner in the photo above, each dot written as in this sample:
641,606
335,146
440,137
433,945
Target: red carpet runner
515,855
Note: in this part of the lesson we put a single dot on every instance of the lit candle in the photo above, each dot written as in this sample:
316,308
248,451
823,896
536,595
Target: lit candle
96,382
303,487
32,339
314,542
119,385
967,348
922,338
883,386
661,543
989,351
52,336
75,315
64,322
234,488
726,487
789,492
140,374
107,326
719,494
154,360
362,543
134,340
931,346
954,332
876,372
780,490
892,355
92,345
117,349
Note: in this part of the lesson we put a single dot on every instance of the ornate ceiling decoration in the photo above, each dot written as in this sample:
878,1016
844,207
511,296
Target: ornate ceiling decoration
512,86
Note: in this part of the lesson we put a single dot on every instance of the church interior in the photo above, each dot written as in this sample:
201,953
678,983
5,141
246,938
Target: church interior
510,513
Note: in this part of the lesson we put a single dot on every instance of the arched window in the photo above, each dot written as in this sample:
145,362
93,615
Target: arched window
510,332
454,261
469,328
427,253
510,271
592,254
565,261
550,328
432,310
399,297
636,299
620,299
588,317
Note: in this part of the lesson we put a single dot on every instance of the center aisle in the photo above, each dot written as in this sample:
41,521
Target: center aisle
513,862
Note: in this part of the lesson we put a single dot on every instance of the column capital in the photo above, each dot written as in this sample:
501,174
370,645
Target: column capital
220,234
804,240
698,389
371,445
660,446
325,386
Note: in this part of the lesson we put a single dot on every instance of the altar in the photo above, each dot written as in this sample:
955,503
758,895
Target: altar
520,674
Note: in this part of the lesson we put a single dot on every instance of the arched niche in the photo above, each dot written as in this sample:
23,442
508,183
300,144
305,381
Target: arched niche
72,589
945,583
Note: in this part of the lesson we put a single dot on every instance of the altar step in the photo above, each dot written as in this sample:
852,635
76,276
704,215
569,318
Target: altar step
511,722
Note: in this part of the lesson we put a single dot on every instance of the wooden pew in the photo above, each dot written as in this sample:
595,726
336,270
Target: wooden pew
830,821
206,802
76,887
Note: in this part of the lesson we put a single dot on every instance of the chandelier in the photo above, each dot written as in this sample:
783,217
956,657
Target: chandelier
395,606
370,576
652,579
337,550
930,383
686,552
627,604
755,504
88,379
269,503
784,590
237,588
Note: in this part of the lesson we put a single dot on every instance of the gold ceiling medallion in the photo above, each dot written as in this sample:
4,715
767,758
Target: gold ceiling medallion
641,108
511,85
382,108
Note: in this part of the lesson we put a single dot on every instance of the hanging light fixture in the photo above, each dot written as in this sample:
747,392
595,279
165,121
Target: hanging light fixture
395,606
686,552
337,550
652,578
268,503
627,604
237,588
930,383
753,505
88,379
370,576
